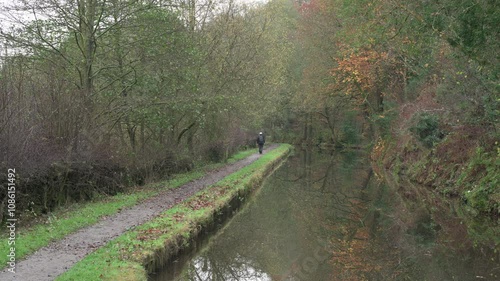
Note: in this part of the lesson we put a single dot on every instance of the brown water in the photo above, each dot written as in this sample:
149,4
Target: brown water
324,216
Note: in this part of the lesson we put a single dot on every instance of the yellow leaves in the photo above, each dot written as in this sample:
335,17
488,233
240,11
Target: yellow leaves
347,80
356,73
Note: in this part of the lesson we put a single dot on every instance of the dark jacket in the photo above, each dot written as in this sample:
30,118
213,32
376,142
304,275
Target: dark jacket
261,139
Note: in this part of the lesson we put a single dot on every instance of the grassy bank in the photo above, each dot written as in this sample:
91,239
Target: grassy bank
139,251
460,166
70,219
458,176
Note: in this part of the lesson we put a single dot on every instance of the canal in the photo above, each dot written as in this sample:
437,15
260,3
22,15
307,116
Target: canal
326,216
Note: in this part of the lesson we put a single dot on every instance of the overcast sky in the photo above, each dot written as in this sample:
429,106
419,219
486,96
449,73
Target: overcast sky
4,22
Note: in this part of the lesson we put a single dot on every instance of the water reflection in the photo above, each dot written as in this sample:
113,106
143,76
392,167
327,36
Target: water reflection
323,216
204,268
285,232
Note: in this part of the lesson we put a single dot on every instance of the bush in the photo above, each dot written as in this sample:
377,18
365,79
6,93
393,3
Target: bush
427,130
482,178
164,168
215,152
350,133
65,182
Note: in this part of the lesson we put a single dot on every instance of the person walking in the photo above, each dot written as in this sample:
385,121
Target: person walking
260,142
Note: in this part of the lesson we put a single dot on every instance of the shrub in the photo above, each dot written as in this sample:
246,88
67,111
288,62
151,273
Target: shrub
427,130
215,152
482,178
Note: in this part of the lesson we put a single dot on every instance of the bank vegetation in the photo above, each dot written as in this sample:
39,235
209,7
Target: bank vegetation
99,95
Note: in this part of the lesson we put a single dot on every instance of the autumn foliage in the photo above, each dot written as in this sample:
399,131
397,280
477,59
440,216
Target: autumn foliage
359,74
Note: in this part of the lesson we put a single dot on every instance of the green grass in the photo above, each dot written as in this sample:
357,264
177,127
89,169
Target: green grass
63,222
124,258
242,155
30,240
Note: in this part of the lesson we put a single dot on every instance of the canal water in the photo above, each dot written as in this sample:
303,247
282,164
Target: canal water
326,216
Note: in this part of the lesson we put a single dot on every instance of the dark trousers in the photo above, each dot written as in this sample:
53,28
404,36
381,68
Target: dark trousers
261,147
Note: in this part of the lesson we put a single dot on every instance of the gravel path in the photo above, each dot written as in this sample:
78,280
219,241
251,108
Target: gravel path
54,259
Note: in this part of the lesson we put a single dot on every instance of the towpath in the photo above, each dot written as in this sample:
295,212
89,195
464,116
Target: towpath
56,258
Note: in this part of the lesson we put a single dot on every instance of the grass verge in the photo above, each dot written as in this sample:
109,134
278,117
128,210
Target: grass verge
66,221
141,250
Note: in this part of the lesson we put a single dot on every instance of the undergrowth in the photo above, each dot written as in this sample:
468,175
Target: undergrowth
481,179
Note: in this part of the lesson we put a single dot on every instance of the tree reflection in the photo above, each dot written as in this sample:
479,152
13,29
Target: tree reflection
285,232
322,216
206,267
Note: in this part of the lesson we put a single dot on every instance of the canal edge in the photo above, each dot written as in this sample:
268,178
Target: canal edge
224,211
144,249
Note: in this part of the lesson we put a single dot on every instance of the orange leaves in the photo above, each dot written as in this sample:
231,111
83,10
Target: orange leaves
199,203
378,150
178,217
313,6
205,200
150,234
357,73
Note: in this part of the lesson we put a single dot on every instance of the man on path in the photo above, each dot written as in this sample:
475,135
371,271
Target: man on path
260,141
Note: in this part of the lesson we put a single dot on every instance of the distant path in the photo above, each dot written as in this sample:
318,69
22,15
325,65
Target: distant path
56,258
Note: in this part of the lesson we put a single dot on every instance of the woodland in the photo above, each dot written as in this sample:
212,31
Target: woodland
97,96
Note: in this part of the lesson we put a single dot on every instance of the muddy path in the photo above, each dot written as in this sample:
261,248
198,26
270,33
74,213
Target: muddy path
54,259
